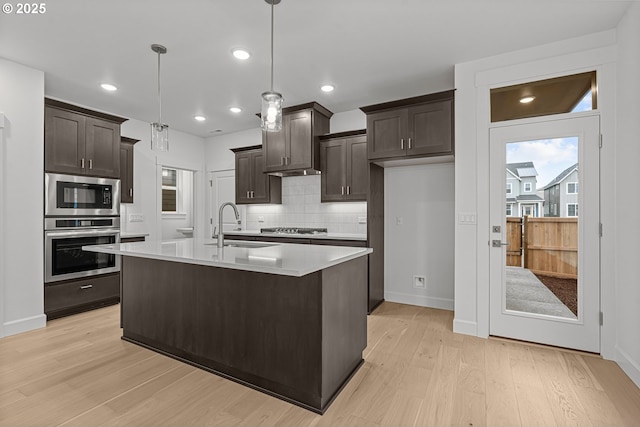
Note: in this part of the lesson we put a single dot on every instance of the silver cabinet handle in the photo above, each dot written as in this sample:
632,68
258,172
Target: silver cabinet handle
90,163
409,143
287,160
282,161
402,143
248,195
342,190
253,194
82,163
86,287
131,192
348,189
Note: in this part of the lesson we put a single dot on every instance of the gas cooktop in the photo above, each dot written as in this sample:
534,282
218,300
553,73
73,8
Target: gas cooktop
293,230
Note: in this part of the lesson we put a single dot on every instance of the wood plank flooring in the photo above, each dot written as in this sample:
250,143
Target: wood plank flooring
417,372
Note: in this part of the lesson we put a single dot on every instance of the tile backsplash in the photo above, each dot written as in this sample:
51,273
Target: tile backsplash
301,207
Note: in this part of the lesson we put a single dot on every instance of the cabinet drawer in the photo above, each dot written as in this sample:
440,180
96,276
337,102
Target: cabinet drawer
81,292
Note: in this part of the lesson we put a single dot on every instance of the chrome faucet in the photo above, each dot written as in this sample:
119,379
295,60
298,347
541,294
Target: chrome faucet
220,233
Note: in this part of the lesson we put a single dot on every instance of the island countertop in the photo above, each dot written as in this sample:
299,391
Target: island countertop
276,258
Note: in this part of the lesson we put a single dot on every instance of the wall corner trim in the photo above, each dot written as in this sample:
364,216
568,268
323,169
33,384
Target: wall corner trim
465,327
629,366
24,325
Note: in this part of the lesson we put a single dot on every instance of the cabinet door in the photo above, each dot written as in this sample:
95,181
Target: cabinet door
102,148
243,177
64,141
430,128
386,133
126,173
259,180
275,148
299,140
357,169
333,163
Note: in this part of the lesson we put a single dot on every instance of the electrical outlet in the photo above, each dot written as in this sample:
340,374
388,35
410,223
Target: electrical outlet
399,220
261,218
419,282
362,220
136,218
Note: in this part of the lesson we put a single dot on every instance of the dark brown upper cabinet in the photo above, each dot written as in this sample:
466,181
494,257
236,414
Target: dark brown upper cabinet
344,166
295,149
414,127
252,184
126,169
81,142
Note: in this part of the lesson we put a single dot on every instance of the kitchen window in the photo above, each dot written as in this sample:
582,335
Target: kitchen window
572,188
169,190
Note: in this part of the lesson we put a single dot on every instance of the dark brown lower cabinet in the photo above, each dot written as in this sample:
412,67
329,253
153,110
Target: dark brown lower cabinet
75,296
299,339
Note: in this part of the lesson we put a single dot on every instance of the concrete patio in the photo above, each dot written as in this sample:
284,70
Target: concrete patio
528,294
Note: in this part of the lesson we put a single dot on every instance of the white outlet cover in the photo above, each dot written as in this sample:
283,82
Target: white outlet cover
362,220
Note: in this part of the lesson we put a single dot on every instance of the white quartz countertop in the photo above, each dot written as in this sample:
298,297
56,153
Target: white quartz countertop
277,258
332,236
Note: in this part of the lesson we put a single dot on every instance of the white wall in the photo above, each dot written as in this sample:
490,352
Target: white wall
218,154
185,152
22,273
627,232
348,120
419,232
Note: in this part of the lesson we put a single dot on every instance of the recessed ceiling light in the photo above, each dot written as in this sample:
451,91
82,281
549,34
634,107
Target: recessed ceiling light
200,118
241,54
527,99
235,109
109,87
327,88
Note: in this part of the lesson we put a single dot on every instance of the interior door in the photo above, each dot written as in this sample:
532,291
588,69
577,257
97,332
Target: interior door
222,189
554,297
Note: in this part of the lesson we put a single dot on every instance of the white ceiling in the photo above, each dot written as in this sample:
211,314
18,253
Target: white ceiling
371,50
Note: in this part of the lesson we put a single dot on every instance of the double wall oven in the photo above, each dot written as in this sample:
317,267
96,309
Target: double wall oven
80,211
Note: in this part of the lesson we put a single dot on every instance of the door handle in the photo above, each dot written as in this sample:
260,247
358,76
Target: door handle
498,243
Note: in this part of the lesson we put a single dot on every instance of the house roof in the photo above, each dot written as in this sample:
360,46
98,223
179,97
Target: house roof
522,170
558,179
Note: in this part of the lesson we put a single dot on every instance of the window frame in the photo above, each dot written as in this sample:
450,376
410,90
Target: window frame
509,188
524,187
177,194
576,211
576,187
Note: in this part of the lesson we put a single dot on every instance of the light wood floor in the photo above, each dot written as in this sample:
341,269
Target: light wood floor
77,372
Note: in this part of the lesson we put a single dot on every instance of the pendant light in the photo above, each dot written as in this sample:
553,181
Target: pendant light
159,130
271,114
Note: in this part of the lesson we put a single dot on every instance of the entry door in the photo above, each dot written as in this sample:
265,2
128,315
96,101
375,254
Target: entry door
554,298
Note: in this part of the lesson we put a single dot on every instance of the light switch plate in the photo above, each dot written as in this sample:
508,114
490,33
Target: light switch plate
468,218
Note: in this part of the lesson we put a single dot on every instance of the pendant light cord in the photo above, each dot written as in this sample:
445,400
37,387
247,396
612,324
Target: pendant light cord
272,46
159,95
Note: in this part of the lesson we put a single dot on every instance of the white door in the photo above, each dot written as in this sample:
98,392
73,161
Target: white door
222,185
555,297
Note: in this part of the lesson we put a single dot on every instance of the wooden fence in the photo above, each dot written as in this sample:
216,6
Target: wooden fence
549,246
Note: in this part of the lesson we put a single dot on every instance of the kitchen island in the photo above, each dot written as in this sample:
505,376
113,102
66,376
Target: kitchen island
286,319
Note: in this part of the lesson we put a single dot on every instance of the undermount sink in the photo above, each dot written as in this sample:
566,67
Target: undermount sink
246,244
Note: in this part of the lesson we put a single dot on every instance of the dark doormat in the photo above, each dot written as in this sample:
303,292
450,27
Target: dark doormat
565,289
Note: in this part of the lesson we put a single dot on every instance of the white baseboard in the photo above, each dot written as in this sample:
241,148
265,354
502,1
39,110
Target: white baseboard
628,365
24,325
421,301
465,327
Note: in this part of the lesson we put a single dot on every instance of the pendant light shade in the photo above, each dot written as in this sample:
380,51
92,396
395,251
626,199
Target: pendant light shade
271,113
159,130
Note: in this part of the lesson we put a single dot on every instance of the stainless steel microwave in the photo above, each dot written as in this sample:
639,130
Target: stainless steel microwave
74,195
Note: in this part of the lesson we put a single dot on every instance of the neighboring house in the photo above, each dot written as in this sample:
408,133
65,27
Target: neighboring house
522,199
561,194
